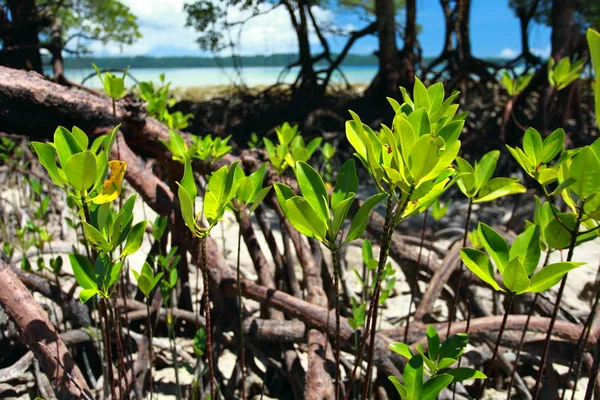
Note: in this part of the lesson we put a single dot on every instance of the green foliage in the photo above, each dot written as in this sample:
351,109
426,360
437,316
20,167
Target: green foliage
158,101
200,342
476,180
146,279
439,210
250,191
316,214
254,141
208,149
563,73
593,39
435,364
290,148
114,86
516,264
387,275
514,86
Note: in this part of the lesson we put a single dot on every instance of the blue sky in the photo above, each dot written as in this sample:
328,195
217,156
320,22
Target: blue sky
494,31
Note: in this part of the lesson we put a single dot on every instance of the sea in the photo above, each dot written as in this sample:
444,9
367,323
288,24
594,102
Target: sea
204,77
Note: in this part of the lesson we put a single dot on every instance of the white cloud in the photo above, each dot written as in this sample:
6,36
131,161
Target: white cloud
543,53
507,52
162,24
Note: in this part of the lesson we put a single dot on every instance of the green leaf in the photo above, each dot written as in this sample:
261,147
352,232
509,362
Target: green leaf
65,145
495,245
87,294
134,239
313,189
433,342
532,145
283,193
145,285
424,156
454,347
413,376
304,218
187,208
399,387
522,159
484,169
80,169
402,349
259,197
556,233
80,137
245,190
346,183
585,169
340,211
553,145
96,239
479,263
499,187
419,120
450,132
187,181
462,374
466,183
359,222
406,135
550,275
515,277
527,248
432,388
83,271
47,156
214,194
421,97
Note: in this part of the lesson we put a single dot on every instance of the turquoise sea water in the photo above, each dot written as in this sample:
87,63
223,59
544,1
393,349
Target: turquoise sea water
195,77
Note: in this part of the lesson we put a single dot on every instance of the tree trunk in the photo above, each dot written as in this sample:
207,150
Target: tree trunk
564,32
408,55
463,39
23,43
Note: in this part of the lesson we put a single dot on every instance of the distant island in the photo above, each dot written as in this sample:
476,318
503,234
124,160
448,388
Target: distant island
274,60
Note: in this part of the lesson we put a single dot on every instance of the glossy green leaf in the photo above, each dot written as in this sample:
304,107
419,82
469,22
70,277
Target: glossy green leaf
556,233
495,245
433,342
515,277
406,135
550,275
47,156
259,197
585,169
340,211
424,156
304,218
214,194
532,146
187,208
399,387
522,159
413,376
484,168
283,193
527,248
402,349
65,145
499,187
553,145
96,239
87,294
134,239
466,183
479,263
432,388
454,347
313,189
245,190
80,169
81,138
419,120
451,132
346,183
359,222
83,271
421,97
462,374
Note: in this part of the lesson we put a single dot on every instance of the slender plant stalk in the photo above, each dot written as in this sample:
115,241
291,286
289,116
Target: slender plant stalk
336,280
511,297
241,312
150,355
107,350
593,374
452,312
204,269
383,256
122,374
416,280
384,240
171,333
574,234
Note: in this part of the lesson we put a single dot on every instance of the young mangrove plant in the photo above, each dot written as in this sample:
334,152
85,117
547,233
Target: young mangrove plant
433,364
411,165
319,215
220,190
248,196
516,265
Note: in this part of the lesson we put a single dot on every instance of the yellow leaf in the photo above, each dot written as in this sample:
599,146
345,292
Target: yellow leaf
112,186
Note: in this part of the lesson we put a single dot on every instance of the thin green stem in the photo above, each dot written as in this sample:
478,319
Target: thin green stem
511,297
241,311
561,289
